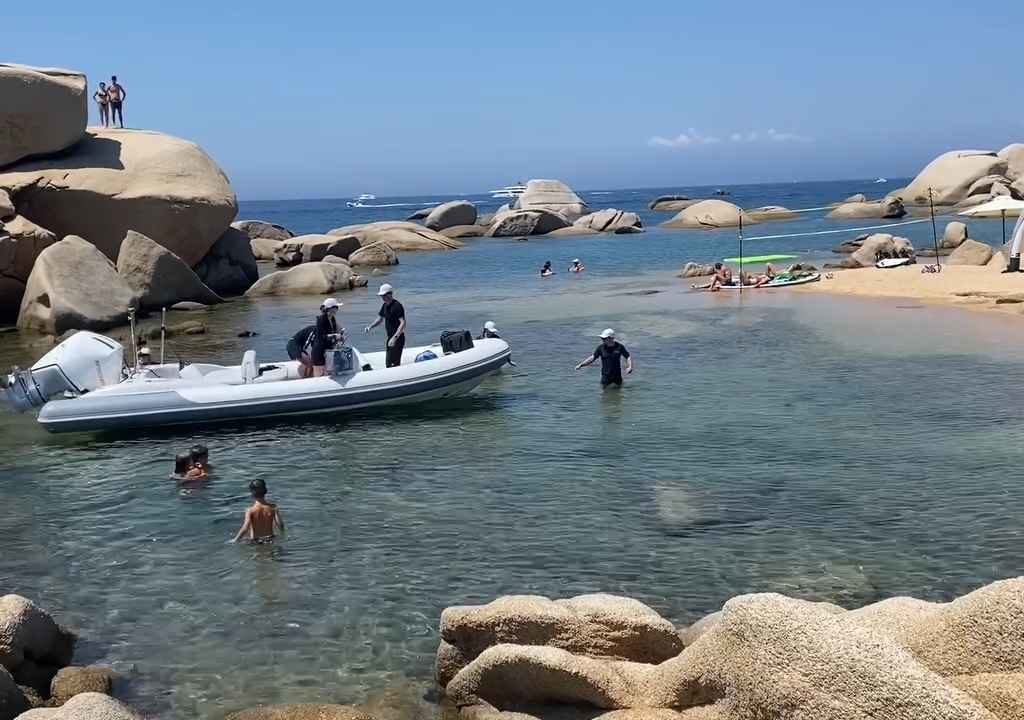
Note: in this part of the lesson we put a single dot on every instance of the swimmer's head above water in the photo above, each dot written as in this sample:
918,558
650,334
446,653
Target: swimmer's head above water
258,488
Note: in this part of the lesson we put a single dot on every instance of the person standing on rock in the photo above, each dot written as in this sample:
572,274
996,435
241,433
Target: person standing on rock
117,96
610,352
103,104
392,314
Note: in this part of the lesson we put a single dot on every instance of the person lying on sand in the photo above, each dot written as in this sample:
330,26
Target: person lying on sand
262,517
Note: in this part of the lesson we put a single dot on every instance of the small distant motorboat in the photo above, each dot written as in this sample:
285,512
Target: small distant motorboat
881,180
509,191
83,384
721,193
366,196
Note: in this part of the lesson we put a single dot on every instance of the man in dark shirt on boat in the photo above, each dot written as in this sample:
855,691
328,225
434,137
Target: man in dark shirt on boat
610,352
392,314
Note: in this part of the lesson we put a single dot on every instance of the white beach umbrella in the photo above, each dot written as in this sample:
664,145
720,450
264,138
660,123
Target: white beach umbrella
996,208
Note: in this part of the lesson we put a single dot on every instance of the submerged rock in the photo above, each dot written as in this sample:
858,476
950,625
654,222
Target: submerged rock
772,212
317,278
301,711
44,111
73,680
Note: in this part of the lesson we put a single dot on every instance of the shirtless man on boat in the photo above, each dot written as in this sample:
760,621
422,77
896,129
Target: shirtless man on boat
262,517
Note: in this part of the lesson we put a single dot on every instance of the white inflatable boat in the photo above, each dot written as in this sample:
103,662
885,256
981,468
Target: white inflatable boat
82,385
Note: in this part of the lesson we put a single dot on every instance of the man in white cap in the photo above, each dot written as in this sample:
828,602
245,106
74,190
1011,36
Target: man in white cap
490,331
326,335
577,266
392,314
610,352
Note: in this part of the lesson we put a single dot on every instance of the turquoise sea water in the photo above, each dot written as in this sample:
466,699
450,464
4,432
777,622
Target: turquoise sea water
827,448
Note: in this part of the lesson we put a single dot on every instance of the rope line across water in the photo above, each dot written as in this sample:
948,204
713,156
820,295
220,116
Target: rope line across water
841,230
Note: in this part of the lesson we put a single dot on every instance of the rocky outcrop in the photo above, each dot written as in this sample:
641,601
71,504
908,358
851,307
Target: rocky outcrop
261,229
32,648
1013,156
230,266
709,215
887,208
158,276
692,269
73,286
954,235
316,278
420,214
517,223
674,203
553,196
772,212
87,706
971,252
314,248
450,214
1002,694
265,248
12,699
377,254
598,625
21,241
950,176
611,220
44,111
401,236
694,632
73,680
878,246
120,180
301,711
855,198
6,206
464,231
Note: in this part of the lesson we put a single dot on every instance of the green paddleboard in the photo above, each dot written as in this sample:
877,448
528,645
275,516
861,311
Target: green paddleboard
758,258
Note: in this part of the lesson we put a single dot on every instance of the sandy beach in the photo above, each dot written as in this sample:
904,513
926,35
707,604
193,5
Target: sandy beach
977,287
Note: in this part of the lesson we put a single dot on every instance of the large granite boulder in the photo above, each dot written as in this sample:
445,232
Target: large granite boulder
950,175
74,680
692,269
87,706
954,235
21,241
449,214
7,210
261,229
554,196
464,231
421,214
518,223
376,254
596,625
12,699
160,277
772,212
44,110
971,252
1013,156
316,278
73,286
265,248
401,236
878,246
27,632
710,215
611,220
855,198
120,180
11,293
891,207
314,248
301,711
674,203
1001,693
230,266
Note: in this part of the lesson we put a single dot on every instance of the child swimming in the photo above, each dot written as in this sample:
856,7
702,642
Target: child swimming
261,518
185,469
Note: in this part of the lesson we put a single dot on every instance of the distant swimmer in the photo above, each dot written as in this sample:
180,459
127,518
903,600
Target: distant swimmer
611,353
185,470
577,266
547,271
262,518
490,331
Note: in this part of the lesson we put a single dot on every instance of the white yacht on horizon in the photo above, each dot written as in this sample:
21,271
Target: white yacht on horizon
509,191
366,196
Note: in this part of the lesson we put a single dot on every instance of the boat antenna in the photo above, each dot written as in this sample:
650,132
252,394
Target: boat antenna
163,332
935,233
135,350
741,251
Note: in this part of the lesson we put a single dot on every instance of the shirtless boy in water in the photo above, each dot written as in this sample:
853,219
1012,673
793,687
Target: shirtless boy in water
261,518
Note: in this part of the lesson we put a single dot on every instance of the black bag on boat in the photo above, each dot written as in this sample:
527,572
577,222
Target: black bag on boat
453,341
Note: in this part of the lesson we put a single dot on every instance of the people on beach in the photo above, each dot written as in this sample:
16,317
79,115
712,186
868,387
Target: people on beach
723,276
547,270
766,277
490,331
103,104
299,347
325,336
611,353
392,314
262,518
185,470
116,95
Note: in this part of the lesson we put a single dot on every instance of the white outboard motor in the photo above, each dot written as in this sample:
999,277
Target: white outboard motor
83,362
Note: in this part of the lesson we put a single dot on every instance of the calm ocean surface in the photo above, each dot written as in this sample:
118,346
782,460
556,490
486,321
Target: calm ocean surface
826,448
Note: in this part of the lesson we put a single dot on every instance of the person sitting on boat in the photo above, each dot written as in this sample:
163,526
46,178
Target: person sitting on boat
185,470
547,270
326,336
299,347
577,266
490,331
262,518
723,276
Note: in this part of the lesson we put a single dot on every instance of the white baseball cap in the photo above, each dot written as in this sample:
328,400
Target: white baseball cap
575,260
330,303
385,289
489,325
607,333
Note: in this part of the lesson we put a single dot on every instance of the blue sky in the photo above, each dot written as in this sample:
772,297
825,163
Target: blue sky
327,99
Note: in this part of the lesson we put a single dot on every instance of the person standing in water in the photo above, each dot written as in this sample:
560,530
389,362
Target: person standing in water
547,271
262,518
392,314
103,104
577,266
610,352
326,335
117,96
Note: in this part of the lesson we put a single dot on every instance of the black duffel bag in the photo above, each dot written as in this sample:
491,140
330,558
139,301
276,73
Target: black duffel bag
453,341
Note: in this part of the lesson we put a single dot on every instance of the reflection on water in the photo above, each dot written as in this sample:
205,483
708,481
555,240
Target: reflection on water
829,449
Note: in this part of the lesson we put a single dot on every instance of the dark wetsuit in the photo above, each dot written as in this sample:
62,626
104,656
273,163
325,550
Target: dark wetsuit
611,362
300,342
393,313
325,325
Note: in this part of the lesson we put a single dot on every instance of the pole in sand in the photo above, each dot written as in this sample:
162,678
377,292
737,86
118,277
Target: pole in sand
741,252
935,233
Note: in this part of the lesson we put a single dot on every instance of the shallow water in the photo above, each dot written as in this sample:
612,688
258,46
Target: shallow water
827,448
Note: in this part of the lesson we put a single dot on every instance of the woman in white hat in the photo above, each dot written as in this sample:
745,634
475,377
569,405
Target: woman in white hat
392,314
490,331
577,266
326,336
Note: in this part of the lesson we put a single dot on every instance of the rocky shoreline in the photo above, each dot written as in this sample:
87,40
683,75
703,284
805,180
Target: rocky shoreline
527,657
